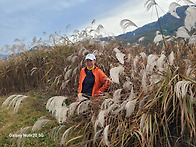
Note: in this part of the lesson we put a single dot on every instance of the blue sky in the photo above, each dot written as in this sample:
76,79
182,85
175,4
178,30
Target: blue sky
26,19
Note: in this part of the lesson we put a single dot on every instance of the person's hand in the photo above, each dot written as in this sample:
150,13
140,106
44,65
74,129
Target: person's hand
79,96
97,93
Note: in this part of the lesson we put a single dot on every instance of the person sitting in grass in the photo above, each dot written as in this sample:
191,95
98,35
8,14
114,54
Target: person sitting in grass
92,80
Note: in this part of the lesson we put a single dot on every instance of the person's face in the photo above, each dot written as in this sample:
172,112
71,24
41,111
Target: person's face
90,63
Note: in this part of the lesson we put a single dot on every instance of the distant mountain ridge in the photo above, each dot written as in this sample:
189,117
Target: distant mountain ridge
169,25
2,56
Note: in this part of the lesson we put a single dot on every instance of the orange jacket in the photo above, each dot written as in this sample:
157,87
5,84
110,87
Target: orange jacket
101,80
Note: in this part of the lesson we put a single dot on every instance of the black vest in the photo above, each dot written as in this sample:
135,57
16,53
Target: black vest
88,83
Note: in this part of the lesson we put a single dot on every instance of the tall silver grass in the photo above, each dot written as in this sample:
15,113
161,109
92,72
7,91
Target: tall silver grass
14,102
181,88
115,72
40,123
64,136
57,106
105,134
119,55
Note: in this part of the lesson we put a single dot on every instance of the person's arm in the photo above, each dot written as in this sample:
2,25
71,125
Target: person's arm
105,83
80,85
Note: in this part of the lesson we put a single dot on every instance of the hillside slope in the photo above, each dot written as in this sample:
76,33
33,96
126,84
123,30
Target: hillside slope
169,24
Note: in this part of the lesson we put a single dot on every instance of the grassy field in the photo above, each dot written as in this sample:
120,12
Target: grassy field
151,100
30,110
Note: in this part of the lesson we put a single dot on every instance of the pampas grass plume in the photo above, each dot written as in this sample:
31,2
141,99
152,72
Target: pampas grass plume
142,121
105,134
171,58
181,88
97,134
130,107
39,123
84,106
117,95
64,136
68,74
114,73
14,102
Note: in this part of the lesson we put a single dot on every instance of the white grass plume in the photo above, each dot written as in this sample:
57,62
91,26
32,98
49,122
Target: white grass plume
105,134
172,9
119,55
120,108
115,72
117,50
151,62
171,58
83,107
144,82
74,73
158,38
5,103
21,140
192,39
142,102
80,51
61,114
97,134
69,58
129,57
181,88
64,136
141,39
128,85
14,102
190,72
119,129
106,104
100,120
117,95
135,61
130,107
58,108
55,103
112,108
85,51
72,108
64,84
142,121
154,79
68,74
55,132
39,123
132,95
160,62
182,32
73,59
143,55
33,70
190,18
